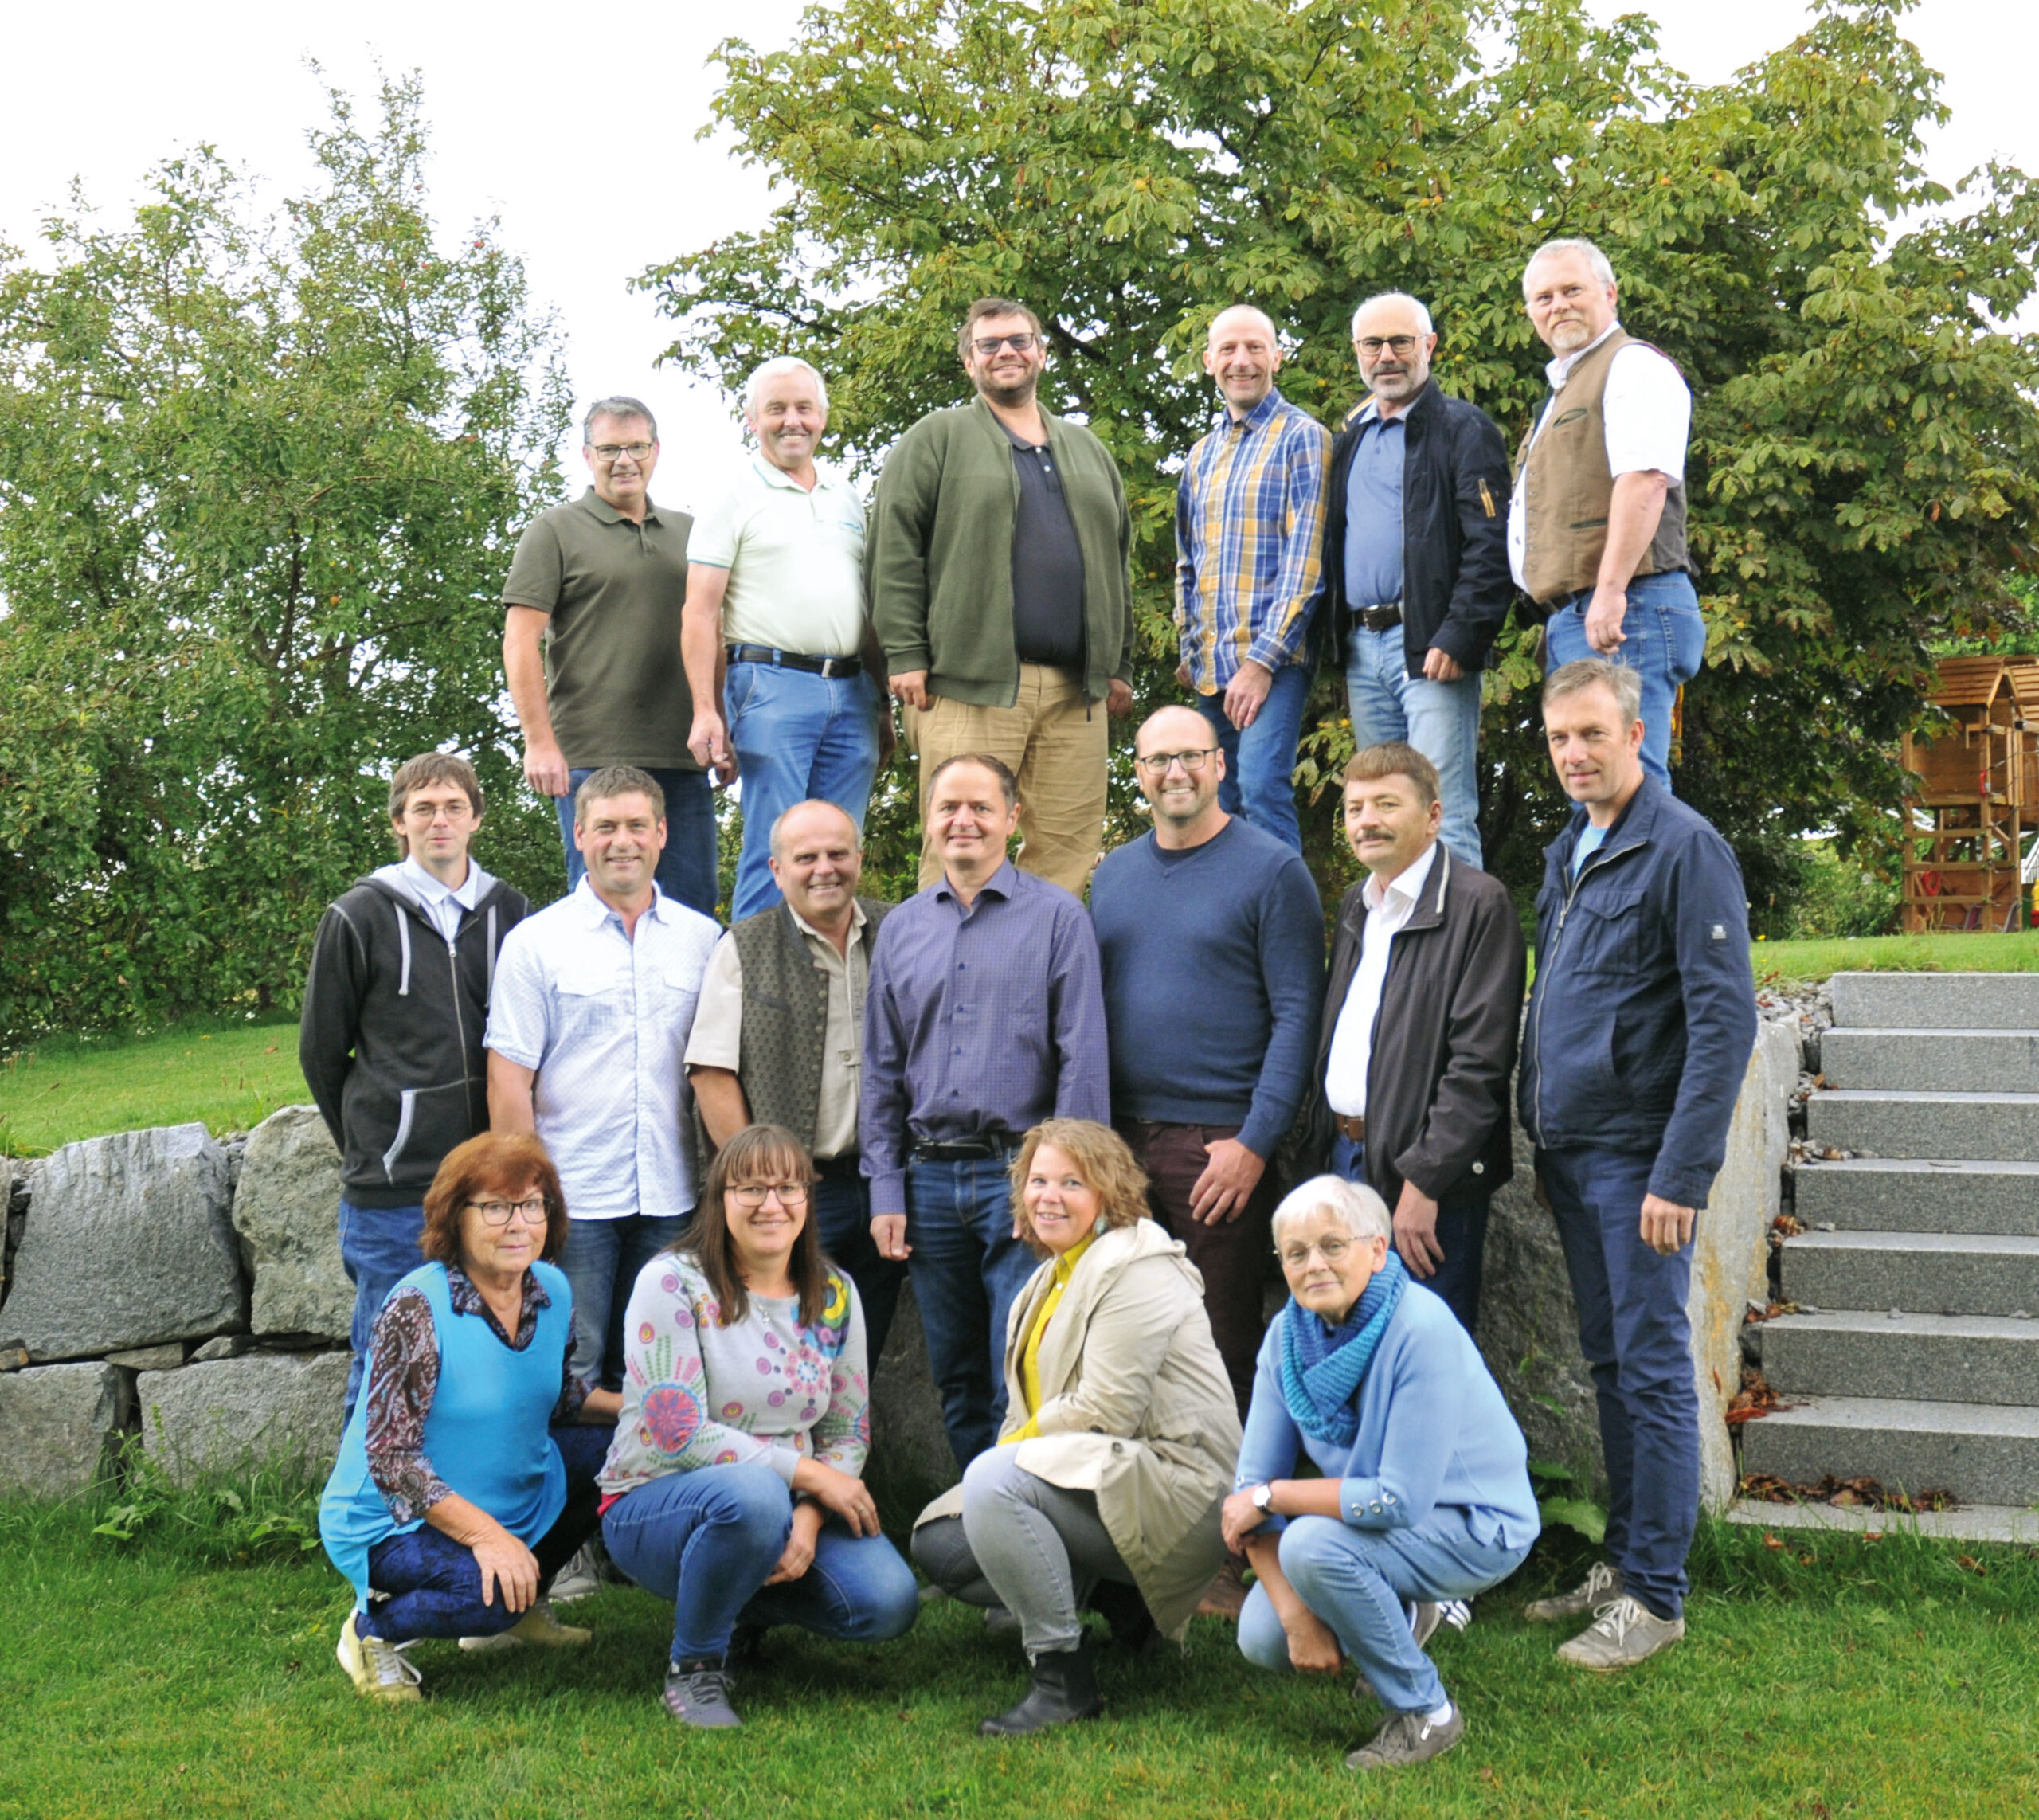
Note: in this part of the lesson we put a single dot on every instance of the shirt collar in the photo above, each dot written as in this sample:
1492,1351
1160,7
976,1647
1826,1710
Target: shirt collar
593,912
466,1299
1000,884
1260,416
431,890
857,921
593,504
1557,370
1407,885
1065,1266
778,477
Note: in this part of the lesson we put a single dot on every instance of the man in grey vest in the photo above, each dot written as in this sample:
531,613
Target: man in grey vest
778,1035
1596,525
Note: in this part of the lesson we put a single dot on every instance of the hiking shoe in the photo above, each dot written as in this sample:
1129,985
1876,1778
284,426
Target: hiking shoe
538,1627
1601,1586
698,1693
580,1577
1407,1738
1623,1634
379,1669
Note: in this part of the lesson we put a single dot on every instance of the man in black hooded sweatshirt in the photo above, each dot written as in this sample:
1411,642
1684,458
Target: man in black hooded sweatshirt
394,1012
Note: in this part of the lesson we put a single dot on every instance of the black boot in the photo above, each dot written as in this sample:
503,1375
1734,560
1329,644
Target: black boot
1122,1607
1065,1688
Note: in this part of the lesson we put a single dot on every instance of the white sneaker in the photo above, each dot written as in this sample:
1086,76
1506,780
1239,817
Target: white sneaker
1622,1635
580,1577
379,1669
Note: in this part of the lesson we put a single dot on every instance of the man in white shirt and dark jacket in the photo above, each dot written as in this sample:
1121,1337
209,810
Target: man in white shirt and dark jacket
1420,1025
394,1008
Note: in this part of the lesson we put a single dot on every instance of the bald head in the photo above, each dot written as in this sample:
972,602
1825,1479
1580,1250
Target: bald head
1179,771
817,857
1242,353
1171,729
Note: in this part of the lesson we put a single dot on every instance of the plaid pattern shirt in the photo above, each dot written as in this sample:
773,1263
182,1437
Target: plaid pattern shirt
1250,541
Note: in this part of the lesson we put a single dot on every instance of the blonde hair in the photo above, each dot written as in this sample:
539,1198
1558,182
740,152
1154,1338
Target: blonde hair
1103,1160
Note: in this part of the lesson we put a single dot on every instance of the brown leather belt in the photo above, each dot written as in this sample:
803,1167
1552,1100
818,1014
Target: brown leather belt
1355,1128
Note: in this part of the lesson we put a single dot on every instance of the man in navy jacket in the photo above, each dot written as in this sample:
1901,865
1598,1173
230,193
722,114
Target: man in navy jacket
1640,1027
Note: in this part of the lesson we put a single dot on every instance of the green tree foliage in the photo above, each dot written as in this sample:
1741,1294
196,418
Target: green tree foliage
259,476
1864,457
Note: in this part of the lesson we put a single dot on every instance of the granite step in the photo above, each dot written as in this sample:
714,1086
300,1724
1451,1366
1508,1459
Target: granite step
1934,1358
1937,1001
1984,1455
1924,1060
1908,1194
1976,1127
1925,1273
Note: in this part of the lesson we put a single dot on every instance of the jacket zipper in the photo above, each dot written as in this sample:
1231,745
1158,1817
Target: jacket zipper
1594,862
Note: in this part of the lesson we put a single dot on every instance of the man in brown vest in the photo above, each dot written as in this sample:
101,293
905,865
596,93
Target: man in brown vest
778,1036
1596,527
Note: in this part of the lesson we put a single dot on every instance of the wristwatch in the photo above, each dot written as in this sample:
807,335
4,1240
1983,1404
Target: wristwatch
1263,1498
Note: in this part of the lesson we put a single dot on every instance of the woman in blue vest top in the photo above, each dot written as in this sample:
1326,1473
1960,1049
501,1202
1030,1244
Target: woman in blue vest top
466,1479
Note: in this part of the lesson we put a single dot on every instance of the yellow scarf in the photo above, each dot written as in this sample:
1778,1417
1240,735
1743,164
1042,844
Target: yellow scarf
1030,1356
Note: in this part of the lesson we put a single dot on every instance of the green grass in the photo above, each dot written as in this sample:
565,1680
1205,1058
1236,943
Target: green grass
1810,961
1831,1677
229,1076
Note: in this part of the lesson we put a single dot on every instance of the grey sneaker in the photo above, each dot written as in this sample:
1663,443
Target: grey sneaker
580,1577
1622,1634
1407,1738
698,1693
1601,1586
1423,1620
537,1627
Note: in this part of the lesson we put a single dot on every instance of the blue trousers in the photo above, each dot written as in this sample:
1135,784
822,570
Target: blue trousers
1664,643
842,1212
966,1268
433,1582
686,867
1260,763
1441,720
1462,1230
1635,1334
707,1539
1359,1582
377,1246
796,735
602,1259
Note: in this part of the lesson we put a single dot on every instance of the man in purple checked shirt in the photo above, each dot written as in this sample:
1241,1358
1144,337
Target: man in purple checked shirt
984,1016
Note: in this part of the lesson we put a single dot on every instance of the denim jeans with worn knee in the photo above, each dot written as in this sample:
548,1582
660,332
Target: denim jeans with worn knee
1663,641
1441,720
1260,763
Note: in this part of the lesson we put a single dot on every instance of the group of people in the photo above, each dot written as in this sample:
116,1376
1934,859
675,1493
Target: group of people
628,1200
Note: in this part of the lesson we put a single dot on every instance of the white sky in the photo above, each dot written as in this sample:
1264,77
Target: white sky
578,130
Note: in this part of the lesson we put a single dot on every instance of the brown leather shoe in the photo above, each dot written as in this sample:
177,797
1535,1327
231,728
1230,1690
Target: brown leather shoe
1225,1594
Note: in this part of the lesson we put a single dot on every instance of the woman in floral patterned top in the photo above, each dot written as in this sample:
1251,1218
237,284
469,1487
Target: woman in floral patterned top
733,1486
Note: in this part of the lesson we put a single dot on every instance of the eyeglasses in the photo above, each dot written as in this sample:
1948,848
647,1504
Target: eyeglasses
615,451
1192,761
1020,343
753,1194
1370,347
1332,1251
498,1213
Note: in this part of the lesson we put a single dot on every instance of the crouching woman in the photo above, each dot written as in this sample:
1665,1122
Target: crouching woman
1425,1494
1108,1480
465,1480
734,1486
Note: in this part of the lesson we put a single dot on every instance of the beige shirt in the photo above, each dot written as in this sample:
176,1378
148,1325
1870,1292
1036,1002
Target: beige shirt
795,557
717,1038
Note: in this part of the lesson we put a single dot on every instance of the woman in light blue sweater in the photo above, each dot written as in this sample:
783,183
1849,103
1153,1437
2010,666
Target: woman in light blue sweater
1426,1492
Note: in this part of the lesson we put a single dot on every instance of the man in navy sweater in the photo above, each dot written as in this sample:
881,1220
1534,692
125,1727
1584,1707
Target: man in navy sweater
1211,939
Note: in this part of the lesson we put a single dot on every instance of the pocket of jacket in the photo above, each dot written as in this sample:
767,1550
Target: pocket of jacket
1606,934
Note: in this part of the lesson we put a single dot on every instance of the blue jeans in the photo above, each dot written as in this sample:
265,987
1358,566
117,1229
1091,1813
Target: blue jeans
842,1214
602,1259
1462,1230
1360,1581
966,1268
706,1540
434,1583
378,1245
686,867
796,735
1664,643
1260,763
1441,720
1635,1334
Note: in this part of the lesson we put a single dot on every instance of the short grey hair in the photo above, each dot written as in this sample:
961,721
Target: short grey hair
1353,1205
1584,673
1415,303
1602,269
772,368
780,820
618,406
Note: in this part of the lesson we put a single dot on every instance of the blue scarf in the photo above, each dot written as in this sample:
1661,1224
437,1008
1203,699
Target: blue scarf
1322,1368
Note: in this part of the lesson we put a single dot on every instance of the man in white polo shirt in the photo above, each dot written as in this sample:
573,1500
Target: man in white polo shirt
777,593
588,1024
1596,524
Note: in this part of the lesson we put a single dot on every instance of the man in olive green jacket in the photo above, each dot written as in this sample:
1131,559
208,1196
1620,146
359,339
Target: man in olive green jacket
997,568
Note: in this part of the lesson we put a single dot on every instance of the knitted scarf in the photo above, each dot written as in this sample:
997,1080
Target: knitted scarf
1322,1368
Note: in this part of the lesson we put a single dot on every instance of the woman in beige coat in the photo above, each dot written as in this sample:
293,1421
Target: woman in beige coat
1120,1433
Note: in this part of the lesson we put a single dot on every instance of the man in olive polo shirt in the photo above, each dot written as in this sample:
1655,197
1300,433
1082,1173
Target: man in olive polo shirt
592,647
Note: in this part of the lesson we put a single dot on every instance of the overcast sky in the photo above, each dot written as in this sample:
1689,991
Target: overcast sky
578,130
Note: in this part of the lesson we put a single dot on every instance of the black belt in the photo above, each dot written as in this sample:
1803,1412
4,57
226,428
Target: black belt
966,1149
843,1167
793,660
1379,619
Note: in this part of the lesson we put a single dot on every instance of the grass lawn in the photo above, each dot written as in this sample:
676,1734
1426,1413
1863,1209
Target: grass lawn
1831,1677
1809,961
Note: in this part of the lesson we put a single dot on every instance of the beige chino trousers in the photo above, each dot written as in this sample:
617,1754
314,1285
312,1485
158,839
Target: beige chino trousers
1055,743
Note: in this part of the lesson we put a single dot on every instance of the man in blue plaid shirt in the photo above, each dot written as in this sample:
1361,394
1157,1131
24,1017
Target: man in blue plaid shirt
1249,570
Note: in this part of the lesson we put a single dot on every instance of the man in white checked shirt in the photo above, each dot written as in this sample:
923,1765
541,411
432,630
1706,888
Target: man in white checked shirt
587,1027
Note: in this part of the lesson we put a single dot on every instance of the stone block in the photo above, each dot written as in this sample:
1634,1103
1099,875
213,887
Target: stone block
910,1463
1983,1128
128,1243
1904,1194
150,1358
1925,1358
1932,1061
1924,1273
1982,1453
58,1423
226,1346
1937,1001
286,1209
228,1414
